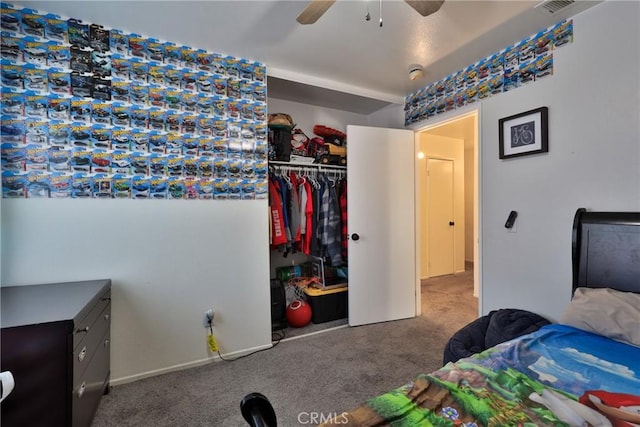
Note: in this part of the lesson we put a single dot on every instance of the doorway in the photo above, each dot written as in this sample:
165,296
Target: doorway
455,140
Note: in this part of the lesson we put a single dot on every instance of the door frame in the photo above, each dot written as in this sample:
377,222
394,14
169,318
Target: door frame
476,113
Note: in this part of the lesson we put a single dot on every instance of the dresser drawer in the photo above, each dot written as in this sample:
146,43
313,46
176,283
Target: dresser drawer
89,388
93,342
85,323
40,340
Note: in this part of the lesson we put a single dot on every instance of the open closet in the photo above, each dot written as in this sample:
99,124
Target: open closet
308,242
381,259
308,257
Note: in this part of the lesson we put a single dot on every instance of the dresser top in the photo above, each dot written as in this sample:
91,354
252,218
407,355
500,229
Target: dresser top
31,304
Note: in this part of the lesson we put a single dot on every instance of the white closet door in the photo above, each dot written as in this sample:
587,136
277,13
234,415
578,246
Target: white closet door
381,208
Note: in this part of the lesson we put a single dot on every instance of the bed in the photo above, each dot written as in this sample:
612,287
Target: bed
582,371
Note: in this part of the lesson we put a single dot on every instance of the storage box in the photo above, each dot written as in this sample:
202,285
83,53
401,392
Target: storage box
327,305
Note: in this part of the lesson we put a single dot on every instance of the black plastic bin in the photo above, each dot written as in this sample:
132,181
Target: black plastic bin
327,305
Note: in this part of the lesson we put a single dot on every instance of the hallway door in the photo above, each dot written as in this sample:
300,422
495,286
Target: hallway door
440,216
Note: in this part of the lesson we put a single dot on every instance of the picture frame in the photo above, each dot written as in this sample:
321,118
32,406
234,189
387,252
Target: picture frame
524,133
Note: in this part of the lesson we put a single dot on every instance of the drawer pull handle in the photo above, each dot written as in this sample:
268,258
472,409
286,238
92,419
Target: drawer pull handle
106,342
82,354
81,390
106,316
85,329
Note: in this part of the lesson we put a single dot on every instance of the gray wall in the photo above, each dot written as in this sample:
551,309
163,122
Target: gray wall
593,161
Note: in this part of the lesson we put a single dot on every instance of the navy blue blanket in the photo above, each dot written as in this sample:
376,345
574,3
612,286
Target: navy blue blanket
494,328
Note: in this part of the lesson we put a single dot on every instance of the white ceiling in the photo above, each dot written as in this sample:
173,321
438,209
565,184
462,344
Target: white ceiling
341,51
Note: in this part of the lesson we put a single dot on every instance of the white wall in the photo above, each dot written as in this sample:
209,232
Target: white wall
169,262
469,187
593,161
391,116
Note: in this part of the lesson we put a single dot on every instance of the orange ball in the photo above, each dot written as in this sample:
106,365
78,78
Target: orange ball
298,313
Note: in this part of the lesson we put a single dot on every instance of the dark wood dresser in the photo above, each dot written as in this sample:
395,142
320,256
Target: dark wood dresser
56,342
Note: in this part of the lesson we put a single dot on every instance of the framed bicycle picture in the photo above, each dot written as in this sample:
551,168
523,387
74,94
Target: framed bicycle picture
523,134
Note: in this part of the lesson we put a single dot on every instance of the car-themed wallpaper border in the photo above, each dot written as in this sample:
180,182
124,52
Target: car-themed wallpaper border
520,64
93,112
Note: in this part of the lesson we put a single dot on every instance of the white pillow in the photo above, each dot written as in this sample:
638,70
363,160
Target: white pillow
613,314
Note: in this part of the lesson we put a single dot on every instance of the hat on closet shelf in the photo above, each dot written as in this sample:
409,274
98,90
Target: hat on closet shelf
280,121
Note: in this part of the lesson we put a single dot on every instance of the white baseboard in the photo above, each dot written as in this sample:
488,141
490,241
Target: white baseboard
322,331
182,366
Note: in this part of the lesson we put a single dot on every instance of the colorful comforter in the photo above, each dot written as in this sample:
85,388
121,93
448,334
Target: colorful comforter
534,380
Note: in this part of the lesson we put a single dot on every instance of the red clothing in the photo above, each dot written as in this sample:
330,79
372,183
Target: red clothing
306,242
278,234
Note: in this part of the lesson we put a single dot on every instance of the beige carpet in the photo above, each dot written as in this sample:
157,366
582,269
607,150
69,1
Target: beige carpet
449,299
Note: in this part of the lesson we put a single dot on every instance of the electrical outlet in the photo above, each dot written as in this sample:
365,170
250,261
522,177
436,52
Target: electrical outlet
208,318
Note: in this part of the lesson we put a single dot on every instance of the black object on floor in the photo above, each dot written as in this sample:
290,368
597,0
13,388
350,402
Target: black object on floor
257,411
278,306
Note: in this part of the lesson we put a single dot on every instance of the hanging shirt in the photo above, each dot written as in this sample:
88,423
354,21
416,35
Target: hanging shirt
302,199
306,243
284,195
314,247
343,217
294,211
278,234
330,224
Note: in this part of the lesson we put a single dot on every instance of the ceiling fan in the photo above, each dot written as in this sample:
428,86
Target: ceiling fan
317,8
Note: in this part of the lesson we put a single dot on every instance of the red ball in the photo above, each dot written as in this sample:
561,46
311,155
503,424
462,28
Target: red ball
298,314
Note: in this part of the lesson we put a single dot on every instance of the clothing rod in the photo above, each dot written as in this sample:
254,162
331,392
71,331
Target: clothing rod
311,166
307,170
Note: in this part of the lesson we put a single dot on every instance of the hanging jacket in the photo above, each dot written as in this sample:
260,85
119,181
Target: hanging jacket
302,199
343,218
335,249
306,243
314,246
284,196
294,211
278,234
330,225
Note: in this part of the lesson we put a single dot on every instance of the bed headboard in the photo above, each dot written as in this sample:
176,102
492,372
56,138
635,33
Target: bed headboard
606,250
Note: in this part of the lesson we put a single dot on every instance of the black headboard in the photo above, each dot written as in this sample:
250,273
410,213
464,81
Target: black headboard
606,250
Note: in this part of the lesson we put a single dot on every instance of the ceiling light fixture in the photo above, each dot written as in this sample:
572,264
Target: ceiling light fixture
415,71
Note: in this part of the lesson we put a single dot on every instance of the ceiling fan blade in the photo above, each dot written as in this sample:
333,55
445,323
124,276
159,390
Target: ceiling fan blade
425,7
314,11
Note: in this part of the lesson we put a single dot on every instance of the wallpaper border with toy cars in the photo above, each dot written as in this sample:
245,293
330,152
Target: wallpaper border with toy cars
520,64
94,112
